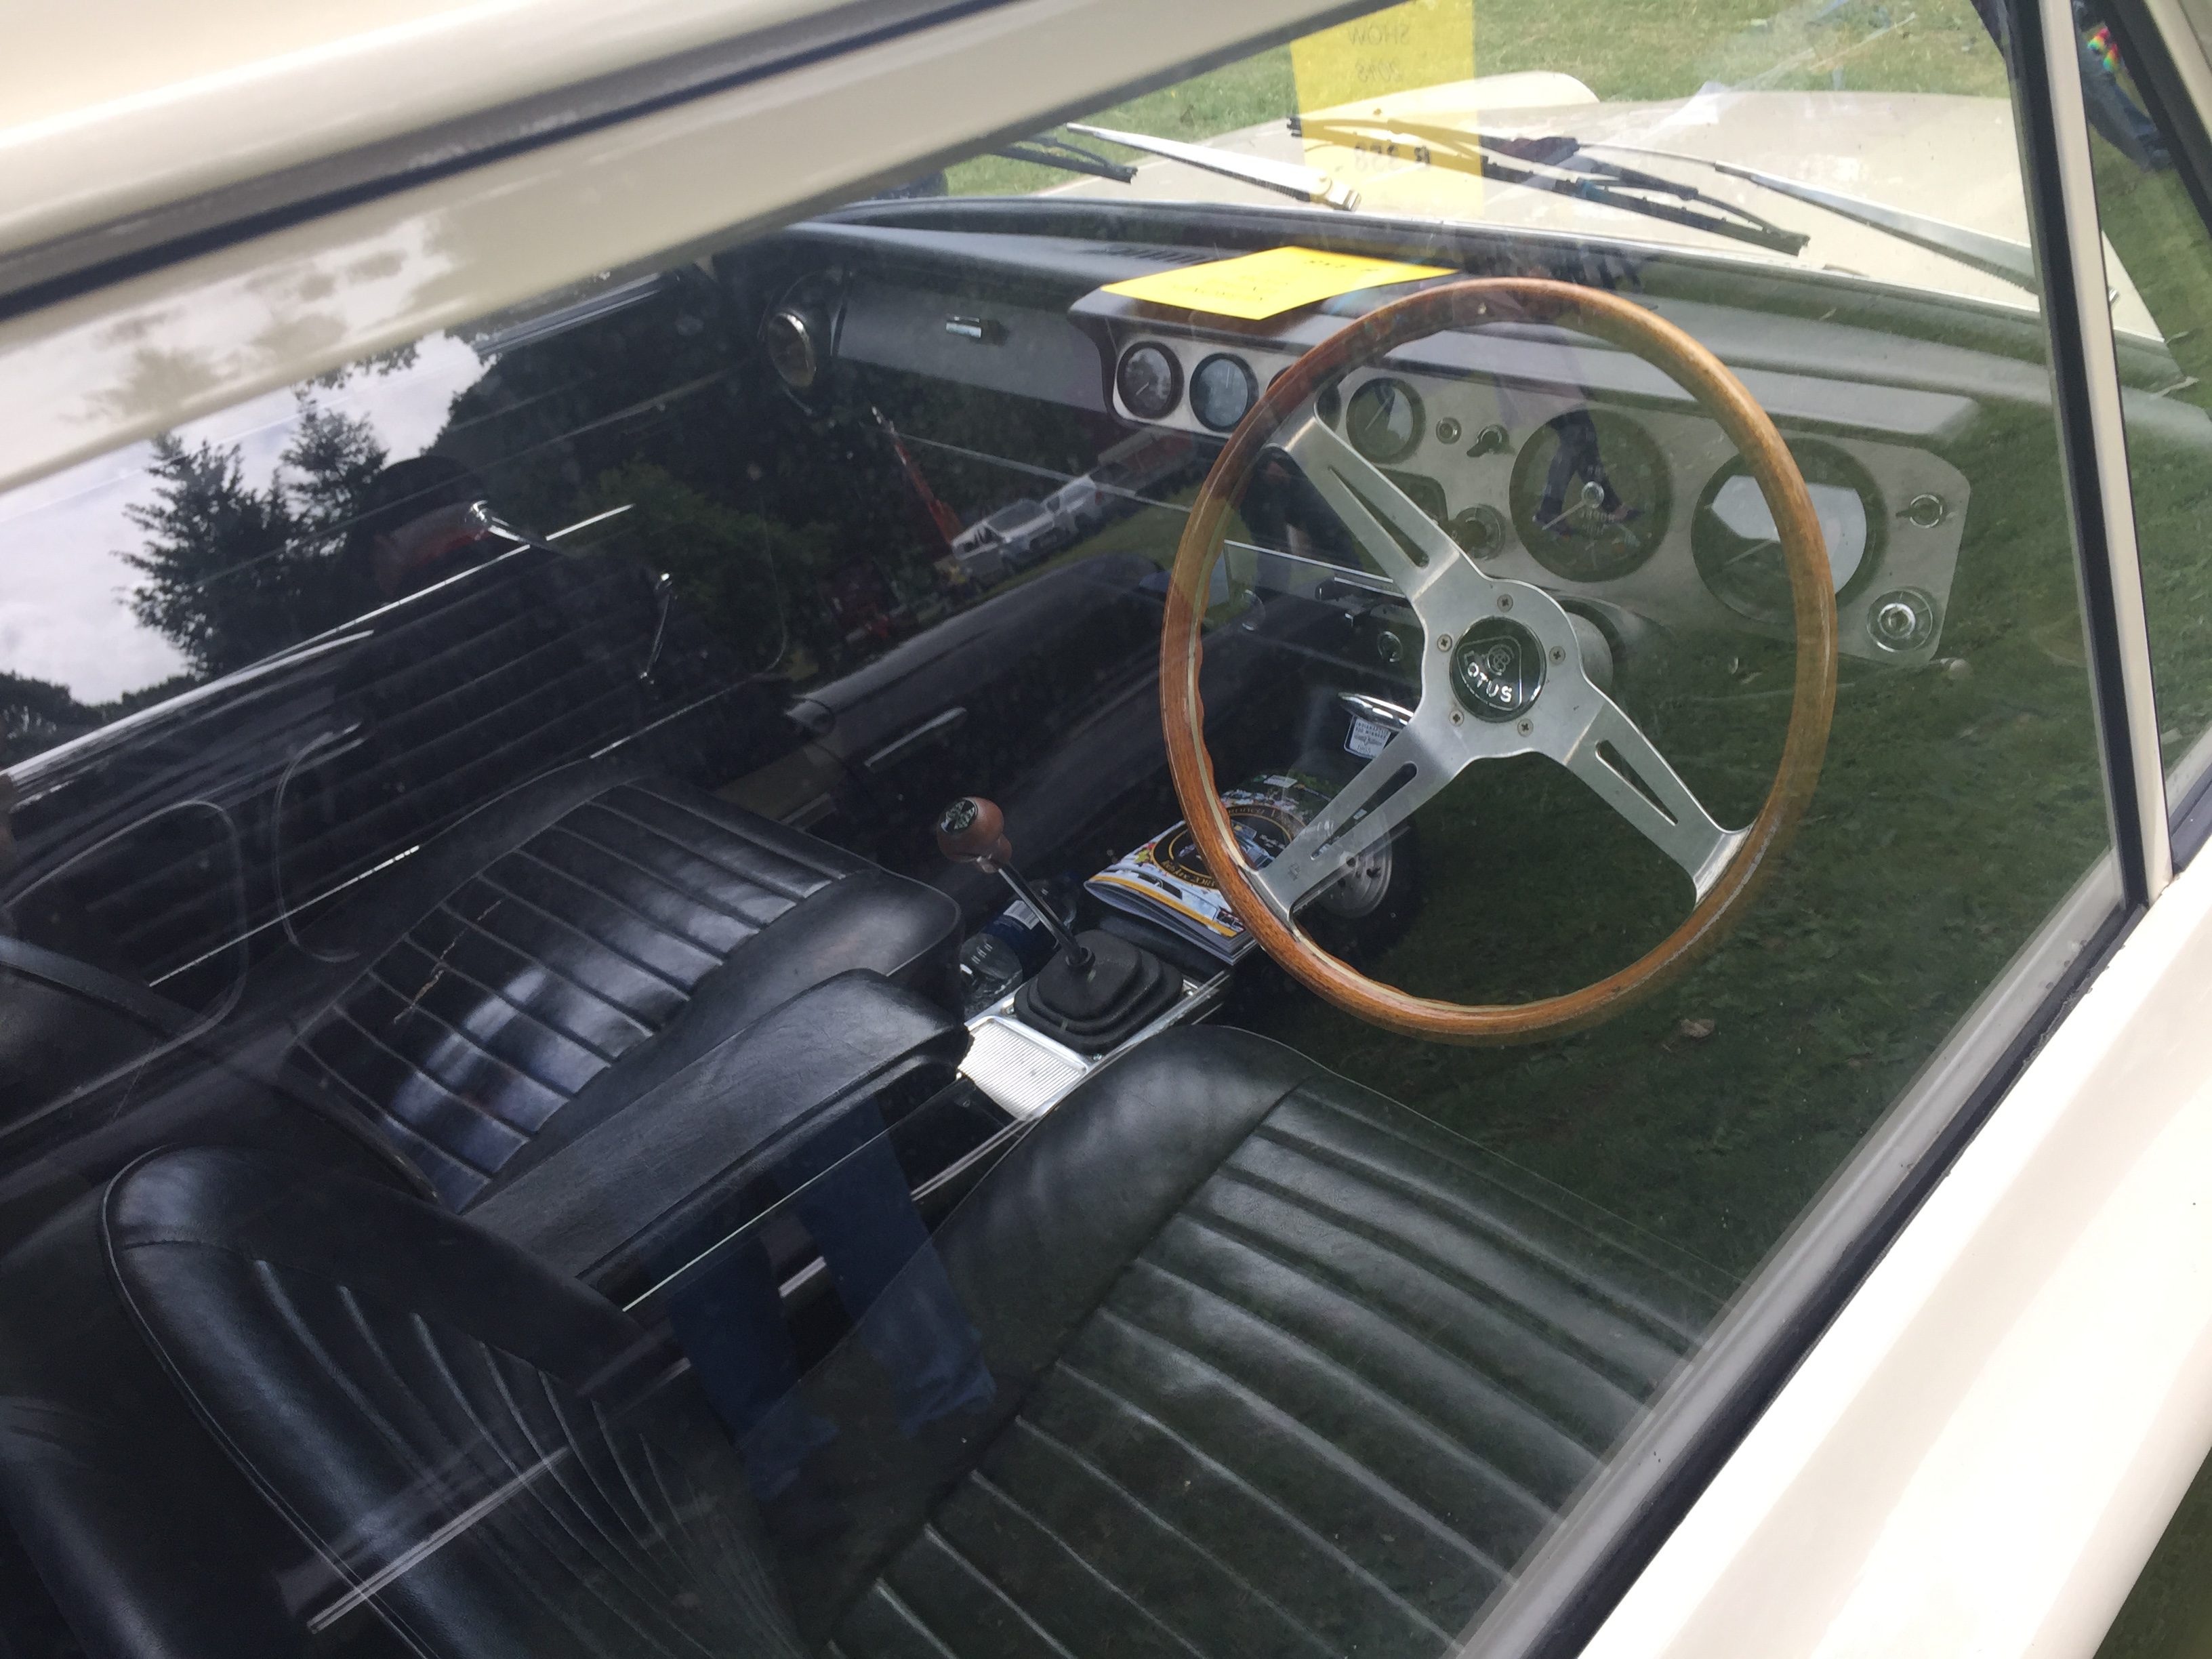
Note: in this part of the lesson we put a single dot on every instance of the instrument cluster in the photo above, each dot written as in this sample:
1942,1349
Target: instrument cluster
1632,503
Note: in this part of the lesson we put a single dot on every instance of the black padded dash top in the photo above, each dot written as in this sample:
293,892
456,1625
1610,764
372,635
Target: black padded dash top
549,940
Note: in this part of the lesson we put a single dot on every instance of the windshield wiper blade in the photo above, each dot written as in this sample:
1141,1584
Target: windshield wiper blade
1993,256
1572,172
1047,151
1301,184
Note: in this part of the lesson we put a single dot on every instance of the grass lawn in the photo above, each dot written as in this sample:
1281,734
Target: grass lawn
1639,49
1959,802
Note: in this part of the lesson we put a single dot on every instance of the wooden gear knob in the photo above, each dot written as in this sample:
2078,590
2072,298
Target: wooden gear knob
973,830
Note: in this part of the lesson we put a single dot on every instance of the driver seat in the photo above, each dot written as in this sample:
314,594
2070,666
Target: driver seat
1278,1366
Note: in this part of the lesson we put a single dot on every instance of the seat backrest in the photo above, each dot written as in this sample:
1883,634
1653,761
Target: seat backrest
337,755
244,1404
1279,1365
543,940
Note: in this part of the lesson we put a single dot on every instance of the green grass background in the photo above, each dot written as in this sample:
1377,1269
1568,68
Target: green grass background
1959,802
1642,49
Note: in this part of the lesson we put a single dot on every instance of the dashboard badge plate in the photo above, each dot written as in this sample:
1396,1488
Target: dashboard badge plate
1367,738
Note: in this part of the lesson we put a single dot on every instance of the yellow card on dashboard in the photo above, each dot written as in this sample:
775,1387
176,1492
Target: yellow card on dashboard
1254,286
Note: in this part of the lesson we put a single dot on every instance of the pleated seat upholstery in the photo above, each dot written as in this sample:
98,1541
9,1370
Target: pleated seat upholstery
549,945
1277,1367
240,1406
1325,1409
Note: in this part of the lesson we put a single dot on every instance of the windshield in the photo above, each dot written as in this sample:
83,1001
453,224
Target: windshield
1704,153
1114,903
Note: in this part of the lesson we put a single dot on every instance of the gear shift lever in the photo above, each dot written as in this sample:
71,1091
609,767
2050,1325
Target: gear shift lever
1101,990
973,830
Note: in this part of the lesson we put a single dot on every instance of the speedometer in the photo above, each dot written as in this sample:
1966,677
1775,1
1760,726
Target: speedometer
1738,550
1590,495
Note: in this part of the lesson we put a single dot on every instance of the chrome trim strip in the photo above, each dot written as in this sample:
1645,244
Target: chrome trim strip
2185,52
2062,200
2077,190
2171,69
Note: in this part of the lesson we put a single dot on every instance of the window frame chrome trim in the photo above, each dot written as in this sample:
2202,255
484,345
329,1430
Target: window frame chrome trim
2168,62
2056,170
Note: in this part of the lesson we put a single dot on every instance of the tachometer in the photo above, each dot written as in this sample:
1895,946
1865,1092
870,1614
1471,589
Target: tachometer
1739,555
1590,495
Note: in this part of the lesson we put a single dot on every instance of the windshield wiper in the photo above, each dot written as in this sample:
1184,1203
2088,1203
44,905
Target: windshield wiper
1047,151
1569,171
1993,256
1301,184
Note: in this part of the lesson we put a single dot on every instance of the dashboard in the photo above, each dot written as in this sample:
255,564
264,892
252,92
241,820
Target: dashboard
1639,503
1548,457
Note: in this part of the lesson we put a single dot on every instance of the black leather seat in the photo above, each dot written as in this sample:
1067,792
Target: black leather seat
553,956
371,1401
1279,1367
1284,1367
602,943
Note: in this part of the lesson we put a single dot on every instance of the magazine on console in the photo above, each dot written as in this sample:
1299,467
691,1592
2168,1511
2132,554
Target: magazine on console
1166,883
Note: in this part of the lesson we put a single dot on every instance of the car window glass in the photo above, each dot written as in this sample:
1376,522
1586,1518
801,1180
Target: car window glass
734,1097
2151,229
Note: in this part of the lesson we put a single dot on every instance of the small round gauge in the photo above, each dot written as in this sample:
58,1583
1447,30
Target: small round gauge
1383,420
1739,552
1222,390
1150,381
788,338
1590,495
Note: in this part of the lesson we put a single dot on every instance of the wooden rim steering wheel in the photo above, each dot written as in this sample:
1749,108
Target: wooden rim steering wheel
1501,672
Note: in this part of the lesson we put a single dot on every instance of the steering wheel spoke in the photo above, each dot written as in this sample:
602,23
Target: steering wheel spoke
1615,757
1407,545
1390,788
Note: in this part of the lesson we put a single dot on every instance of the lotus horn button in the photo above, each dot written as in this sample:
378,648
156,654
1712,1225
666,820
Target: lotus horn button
1498,669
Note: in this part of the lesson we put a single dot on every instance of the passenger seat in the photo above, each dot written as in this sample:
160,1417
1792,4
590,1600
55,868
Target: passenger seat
597,938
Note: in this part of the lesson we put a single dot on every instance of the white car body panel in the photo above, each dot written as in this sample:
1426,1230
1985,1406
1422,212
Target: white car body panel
113,108
124,361
1981,1451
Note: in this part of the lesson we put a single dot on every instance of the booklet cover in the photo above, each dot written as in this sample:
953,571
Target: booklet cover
1165,881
